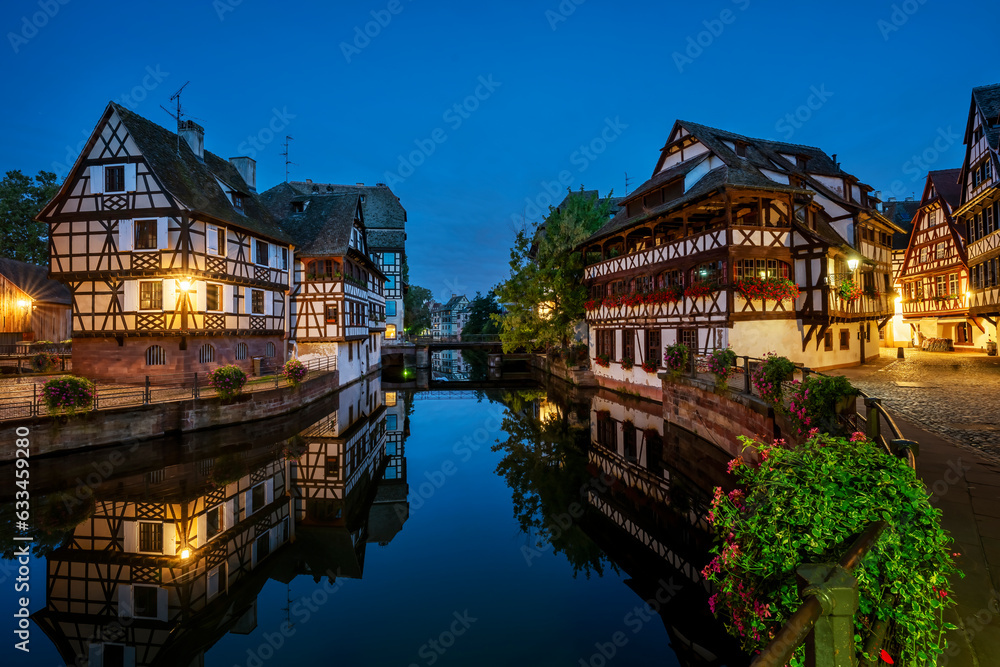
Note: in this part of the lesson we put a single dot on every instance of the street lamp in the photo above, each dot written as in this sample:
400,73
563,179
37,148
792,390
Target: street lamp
24,303
185,554
185,285
852,264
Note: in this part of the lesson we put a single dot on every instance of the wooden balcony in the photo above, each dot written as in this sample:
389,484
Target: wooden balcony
951,306
711,306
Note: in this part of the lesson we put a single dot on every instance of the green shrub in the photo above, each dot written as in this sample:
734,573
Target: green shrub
69,393
814,403
227,381
42,362
809,505
294,371
769,375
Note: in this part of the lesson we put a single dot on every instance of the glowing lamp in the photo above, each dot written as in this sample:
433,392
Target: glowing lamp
185,285
23,303
185,554
852,264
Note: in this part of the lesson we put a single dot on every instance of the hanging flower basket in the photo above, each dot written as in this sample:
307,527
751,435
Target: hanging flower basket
848,291
700,289
722,364
627,363
649,367
602,360
675,358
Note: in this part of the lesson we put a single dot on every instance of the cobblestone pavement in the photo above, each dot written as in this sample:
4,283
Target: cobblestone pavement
947,393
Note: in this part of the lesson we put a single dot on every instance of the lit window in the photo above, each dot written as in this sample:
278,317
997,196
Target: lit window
257,301
150,295
151,539
213,297
390,331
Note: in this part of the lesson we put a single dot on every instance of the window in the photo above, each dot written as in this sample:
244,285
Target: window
606,343
331,314
144,601
150,295
114,179
214,522
111,655
390,399
237,201
388,259
963,333
269,350
220,241
258,497
390,282
333,467
628,344
653,347
206,354
607,435
390,308
298,206
741,149
216,580
828,341
155,356
151,539
940,286
953,283
629,441
845,339
257,301
263,546
350,357
690,338
145,235
284,259
213,297
242,351
760,268
262,253
390,331
391,422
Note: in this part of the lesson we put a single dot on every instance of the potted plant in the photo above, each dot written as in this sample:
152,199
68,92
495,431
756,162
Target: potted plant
722,364
602,360
70,394
848,291
820,401
696,290
675,358
43,362
769,375
294,371
227,381
650,367
627,363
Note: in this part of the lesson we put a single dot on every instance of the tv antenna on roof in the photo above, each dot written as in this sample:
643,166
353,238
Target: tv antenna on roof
627,181
287,161
177,97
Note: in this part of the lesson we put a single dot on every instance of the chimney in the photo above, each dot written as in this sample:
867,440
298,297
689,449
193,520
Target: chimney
194,135
309,180
361,184
247,167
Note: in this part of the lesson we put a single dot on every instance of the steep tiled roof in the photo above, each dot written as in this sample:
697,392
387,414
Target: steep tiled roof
381,207
193,182
947,185
323,228
901,214
35,282
988,100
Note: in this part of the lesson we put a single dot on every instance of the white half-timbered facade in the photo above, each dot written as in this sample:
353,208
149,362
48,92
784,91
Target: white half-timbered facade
723,211
979,210
337,298
173,263
934,278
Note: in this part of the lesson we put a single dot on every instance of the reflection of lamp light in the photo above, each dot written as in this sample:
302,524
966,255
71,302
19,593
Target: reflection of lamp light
852,264
185,285
185,553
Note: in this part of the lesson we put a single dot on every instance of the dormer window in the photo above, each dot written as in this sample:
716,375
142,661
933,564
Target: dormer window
114,179
977,134
298,207
237,201
801,161
741,149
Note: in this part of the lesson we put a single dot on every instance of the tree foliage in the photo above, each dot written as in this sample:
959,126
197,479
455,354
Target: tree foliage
21,199
544,294
481,310
416,304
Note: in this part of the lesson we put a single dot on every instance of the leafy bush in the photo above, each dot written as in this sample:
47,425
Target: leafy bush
814,403
675,358
769,375
69,393
294,371
808,505
227,381
721,364
44,361
627,363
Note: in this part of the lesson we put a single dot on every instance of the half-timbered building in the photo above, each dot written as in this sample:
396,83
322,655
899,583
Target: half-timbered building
900,212
173,262
979,208
32,305
337,299
724,221
385,222
934,277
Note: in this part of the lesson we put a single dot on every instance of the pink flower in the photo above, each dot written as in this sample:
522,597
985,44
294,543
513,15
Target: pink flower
735,463
858,436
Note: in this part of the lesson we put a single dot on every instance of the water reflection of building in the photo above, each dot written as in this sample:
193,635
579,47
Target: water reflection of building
450,364
173,558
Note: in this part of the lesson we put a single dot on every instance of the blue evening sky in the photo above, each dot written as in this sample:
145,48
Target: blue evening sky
887,82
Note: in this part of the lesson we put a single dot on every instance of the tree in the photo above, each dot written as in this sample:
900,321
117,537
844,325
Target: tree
481,310
544,295
416,304
21,199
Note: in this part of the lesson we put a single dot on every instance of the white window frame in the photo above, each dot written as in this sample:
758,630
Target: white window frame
159,242
256,252
138,540
222,297
138,297
264,301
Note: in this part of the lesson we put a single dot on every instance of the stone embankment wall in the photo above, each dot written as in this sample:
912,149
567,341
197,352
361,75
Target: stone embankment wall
52,435
579,375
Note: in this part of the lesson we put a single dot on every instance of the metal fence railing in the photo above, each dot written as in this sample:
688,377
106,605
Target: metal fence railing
24,399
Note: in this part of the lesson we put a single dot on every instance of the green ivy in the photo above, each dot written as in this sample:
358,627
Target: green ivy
808,505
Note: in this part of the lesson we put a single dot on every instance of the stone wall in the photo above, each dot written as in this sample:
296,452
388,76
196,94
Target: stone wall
557,367
52,435
106,359
719,418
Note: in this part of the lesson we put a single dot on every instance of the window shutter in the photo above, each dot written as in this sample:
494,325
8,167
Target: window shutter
169,294
130,533
213,239
129,656
273,538
124,601
169,539
213,582
202,530
161,233
131,296
247,301
97,179
269,491
268,302
273,252
227,298
253,250
95,655
228,514
248,503
201,292
161,604
126,235
130,177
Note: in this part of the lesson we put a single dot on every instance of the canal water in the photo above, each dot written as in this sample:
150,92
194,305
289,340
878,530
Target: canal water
517,526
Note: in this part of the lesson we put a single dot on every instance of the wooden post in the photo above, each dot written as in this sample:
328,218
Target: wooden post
746,374
196,385
147,396
874,422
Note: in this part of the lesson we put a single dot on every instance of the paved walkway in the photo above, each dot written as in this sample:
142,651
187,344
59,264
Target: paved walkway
962,474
